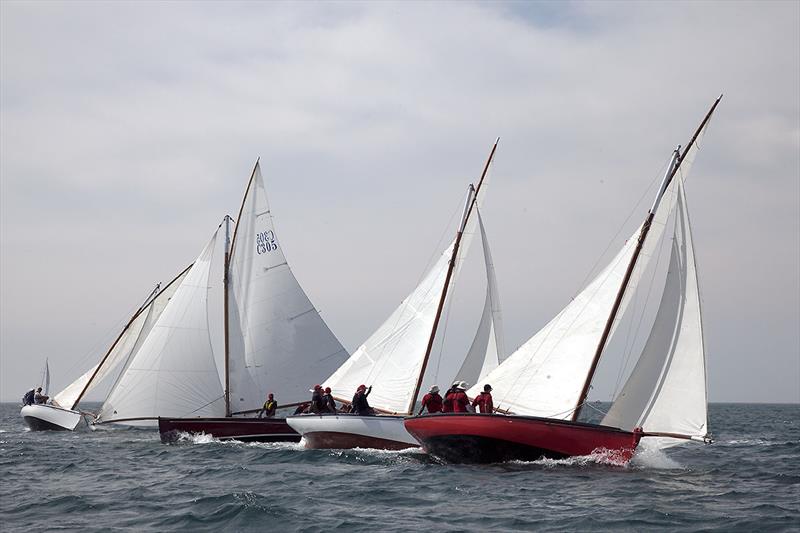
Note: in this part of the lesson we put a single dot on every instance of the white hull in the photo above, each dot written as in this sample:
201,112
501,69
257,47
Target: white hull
352,431
43,417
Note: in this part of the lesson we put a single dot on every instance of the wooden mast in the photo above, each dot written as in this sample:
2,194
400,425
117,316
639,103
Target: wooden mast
229,250
225,281
451,266
675,164
149,300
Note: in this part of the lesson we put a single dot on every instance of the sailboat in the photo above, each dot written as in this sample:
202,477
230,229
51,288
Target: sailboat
164,360
48,416
275,339
542,387
394,359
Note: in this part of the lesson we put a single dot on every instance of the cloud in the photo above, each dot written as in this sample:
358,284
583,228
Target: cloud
129,130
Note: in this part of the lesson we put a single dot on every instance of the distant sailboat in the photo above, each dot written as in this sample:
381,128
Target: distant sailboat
394,359
543,386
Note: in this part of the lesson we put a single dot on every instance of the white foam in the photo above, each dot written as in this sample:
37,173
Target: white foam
652,456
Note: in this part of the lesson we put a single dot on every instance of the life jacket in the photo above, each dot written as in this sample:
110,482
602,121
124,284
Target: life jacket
433,402
447,404
484,402
460,402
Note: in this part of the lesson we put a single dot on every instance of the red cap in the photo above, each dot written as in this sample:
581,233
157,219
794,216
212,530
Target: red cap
362,387
270,396
317,387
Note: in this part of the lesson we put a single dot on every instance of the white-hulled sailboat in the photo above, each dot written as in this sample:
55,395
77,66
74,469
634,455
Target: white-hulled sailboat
394,359
542,387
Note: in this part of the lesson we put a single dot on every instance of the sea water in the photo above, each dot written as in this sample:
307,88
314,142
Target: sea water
126,479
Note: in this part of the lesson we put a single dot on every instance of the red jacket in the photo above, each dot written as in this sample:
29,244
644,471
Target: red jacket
433,402
484,402
460,401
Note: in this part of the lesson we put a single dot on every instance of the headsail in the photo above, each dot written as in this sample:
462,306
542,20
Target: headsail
122,348
666,392
173,373
488,347
278,340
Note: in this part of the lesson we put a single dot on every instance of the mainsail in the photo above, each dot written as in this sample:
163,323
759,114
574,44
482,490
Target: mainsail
172,371
394,358
666,392
278,341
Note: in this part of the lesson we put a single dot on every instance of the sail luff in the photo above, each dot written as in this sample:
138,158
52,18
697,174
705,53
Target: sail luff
675,165
471,204
138,312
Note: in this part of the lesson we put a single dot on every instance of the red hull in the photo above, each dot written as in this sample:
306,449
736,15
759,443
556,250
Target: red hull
245,429
477,438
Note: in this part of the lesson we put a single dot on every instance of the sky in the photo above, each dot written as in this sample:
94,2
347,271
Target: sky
128,130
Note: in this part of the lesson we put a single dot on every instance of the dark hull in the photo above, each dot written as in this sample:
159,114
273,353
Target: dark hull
476,438
244,429
37,424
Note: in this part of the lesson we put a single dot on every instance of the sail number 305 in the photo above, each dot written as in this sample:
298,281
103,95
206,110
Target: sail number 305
265,242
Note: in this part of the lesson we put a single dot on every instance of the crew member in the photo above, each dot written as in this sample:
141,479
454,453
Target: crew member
39,397
484,400
270,406
432,401
447,404
360,404
460,399
328,401
28,398
317,403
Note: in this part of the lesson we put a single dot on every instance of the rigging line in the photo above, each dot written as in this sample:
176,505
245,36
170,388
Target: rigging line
206,405
633,210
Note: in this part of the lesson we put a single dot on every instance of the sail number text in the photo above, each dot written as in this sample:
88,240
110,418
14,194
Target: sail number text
265,242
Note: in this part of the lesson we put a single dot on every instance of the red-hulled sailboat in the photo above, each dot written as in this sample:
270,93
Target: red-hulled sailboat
543,386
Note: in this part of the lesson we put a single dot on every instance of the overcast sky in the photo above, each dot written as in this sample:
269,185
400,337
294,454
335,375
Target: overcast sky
130,129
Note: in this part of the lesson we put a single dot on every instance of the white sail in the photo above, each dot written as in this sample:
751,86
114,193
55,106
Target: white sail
173,372
545,376
488,346
666,392
122,349
278,341
391,359
46,377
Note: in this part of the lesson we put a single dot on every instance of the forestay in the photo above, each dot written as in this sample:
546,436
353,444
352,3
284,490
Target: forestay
278,341
488,346
666,392
172,371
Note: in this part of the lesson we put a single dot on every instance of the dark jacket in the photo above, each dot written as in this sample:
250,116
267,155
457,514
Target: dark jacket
361,405
28,398
317,403
329,403
270,406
